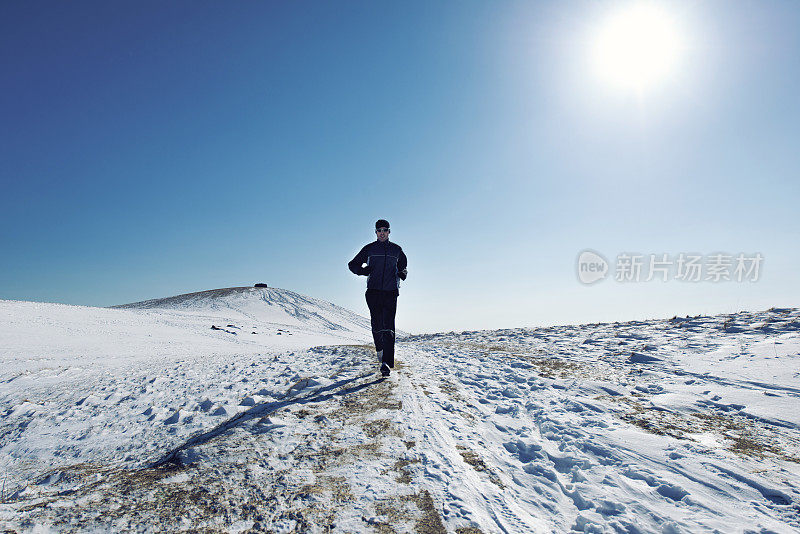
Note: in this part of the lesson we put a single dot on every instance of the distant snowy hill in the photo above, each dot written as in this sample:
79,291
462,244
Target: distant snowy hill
223,322
262,305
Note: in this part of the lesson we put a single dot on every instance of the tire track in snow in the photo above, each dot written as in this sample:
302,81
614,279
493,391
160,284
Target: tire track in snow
438,427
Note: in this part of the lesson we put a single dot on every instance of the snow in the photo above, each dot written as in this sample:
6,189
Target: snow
144,418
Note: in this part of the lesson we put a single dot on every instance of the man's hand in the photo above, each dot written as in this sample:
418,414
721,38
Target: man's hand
365,270
402,274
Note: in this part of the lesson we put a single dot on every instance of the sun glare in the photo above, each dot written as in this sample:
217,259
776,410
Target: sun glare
637,47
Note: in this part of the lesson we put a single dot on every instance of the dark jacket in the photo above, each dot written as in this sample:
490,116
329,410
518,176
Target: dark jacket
386,265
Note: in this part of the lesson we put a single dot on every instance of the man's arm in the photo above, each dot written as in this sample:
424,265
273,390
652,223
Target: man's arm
402,265
355,264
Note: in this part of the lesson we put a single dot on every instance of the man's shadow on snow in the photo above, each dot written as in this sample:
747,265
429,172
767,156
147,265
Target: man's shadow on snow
337,389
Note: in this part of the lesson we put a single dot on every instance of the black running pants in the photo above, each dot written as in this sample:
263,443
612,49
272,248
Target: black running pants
382,308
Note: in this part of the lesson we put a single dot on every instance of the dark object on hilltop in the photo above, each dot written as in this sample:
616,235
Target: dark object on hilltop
260,284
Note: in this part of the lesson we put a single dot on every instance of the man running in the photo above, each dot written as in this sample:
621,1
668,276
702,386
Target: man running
384,264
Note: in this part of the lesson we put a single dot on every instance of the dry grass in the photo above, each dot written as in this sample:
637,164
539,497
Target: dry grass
742,435
400,467
129,498
398,510
377,397
380,427
450,389
430,522
472,458
336,486
554,368
546,366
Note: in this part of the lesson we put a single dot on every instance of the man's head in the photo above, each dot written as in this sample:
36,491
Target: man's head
382,229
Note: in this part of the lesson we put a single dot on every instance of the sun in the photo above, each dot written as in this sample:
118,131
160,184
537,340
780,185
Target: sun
637,47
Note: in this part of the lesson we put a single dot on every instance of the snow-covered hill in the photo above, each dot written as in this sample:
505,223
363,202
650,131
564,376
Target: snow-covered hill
261,305
682,425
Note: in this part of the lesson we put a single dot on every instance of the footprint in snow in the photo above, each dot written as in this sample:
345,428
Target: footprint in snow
672,492
525,452
608,508
174,418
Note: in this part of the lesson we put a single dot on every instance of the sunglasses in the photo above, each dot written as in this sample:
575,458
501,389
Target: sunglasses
381,230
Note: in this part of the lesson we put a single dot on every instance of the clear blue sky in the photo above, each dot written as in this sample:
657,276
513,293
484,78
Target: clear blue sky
155,148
